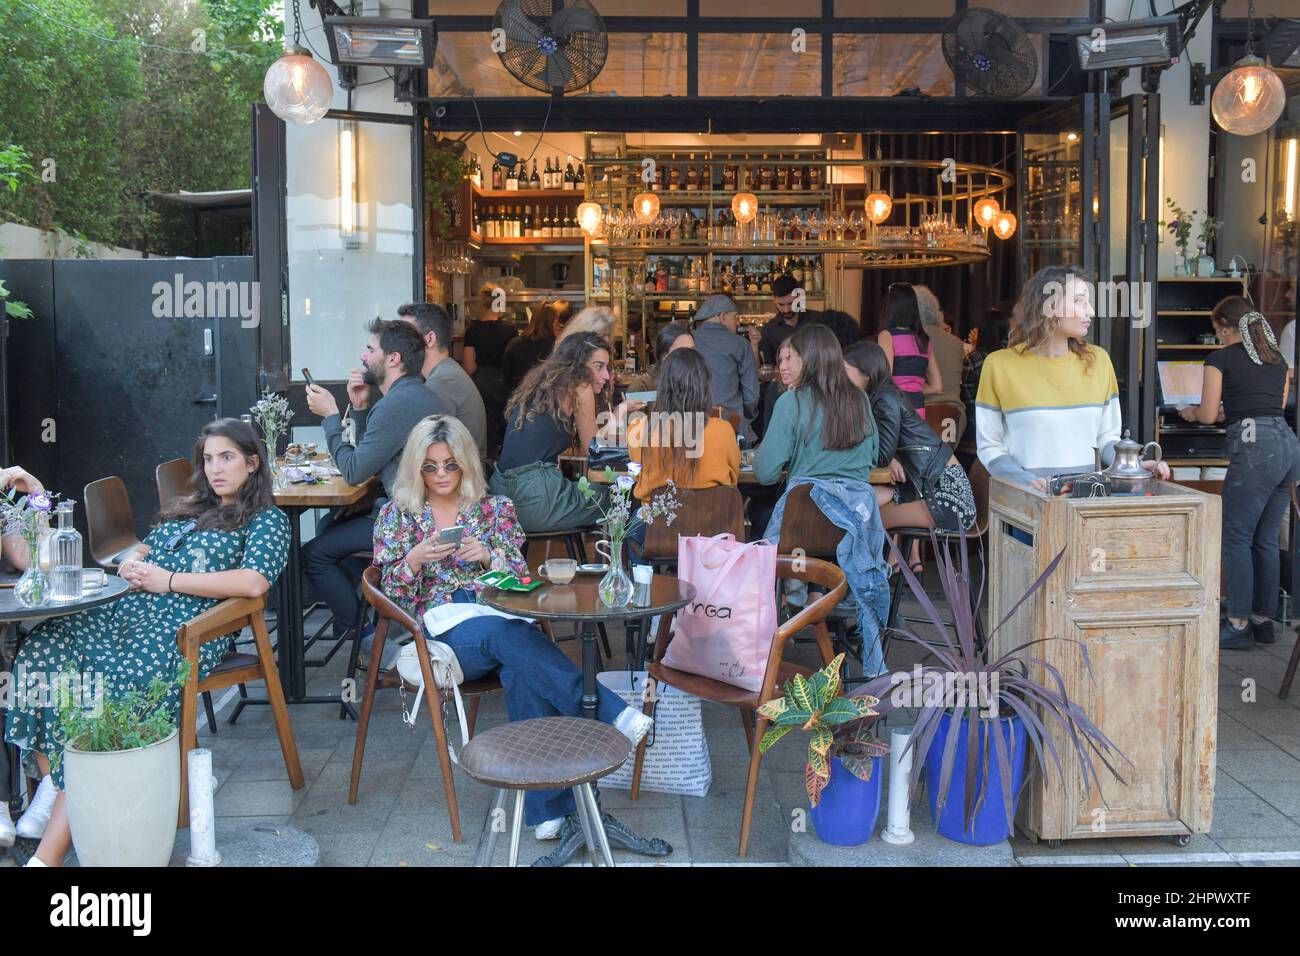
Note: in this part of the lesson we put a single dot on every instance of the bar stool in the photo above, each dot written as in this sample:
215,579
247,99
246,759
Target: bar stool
545,753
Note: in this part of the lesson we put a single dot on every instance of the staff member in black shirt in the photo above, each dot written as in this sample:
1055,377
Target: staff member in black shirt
1250,378
782,325
484,355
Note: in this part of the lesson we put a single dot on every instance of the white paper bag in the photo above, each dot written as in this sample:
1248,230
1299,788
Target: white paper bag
677,761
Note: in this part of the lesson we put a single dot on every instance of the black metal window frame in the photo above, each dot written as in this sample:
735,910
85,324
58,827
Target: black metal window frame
826,25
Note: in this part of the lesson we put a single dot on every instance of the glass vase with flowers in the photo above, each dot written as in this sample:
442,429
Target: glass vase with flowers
620,518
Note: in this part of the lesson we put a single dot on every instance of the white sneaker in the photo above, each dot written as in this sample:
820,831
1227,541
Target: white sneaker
633,725
550,830
7,831
32,823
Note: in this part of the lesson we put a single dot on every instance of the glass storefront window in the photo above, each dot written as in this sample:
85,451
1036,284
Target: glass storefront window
644,64
885,64
341,274
760,64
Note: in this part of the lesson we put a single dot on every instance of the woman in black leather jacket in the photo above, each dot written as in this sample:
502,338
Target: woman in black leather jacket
931,490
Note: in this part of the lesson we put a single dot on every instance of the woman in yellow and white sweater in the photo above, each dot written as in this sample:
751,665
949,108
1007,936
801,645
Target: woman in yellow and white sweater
1050,402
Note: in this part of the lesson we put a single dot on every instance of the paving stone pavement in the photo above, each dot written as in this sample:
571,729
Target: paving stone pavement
401,819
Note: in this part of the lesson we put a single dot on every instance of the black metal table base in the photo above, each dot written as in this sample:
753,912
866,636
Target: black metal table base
619,834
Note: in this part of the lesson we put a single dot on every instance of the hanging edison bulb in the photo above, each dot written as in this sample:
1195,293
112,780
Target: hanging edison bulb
1004,225
879,206
589,217
1249,99
297,88
744,206
986,210
646,207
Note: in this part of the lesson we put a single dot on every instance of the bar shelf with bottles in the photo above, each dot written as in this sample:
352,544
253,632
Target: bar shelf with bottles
527,206
1050,218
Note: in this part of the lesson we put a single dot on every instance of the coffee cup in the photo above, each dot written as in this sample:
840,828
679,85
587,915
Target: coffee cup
558,570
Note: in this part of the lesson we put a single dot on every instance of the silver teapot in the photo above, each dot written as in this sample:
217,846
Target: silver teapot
1126,474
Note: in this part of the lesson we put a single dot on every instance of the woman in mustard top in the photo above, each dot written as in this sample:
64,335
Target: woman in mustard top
679,441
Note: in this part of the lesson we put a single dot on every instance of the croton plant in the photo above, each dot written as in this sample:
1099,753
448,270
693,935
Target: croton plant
839,726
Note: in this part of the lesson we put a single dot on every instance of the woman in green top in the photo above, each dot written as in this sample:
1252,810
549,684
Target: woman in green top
802,439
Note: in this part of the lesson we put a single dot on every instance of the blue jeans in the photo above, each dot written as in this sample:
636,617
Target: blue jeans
1256,493
539,681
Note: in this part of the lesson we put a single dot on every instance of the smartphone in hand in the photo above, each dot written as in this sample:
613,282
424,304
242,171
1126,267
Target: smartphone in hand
306,373
452,535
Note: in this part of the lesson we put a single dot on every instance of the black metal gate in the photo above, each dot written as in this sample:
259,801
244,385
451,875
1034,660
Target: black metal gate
122,364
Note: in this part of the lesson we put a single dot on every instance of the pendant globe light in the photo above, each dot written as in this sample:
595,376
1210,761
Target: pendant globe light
986,211
1250,99
297,88
879,206
744,206
646,207
1004,225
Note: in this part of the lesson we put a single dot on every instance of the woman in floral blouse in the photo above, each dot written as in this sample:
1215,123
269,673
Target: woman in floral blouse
439,485
225,540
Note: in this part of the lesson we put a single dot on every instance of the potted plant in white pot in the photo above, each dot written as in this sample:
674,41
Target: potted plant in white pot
121,774
978,718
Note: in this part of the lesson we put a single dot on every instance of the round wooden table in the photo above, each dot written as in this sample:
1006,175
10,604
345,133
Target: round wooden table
580,601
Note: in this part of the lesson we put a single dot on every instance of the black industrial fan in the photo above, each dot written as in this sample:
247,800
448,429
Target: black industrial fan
556,46
989,51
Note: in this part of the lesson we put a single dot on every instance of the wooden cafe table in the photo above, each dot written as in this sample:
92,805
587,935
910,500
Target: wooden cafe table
293,500
878,476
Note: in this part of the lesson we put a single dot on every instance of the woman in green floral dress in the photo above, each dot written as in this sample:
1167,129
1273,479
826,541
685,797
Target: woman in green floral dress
225,540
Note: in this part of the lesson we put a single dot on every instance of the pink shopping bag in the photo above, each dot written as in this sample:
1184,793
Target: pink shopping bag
726,632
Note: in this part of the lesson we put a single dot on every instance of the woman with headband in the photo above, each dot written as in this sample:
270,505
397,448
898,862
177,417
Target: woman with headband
1249,378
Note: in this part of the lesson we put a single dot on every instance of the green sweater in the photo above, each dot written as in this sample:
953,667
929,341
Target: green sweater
785,446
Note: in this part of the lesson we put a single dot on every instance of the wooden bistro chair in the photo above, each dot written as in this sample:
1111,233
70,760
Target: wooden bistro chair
229,616
717,411
938,415
979,481
806,531
392,615
110,522
173,481
778,671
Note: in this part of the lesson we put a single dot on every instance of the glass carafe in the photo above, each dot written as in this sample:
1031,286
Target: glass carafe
65,557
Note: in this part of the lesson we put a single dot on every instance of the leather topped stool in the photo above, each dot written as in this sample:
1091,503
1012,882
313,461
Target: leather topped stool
545,753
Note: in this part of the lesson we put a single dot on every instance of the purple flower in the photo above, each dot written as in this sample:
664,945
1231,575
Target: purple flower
40,501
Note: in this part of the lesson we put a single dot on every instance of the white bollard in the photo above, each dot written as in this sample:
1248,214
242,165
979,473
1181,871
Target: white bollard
898,826
203,835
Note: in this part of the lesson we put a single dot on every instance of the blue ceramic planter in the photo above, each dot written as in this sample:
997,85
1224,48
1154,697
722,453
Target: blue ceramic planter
990,823
847,812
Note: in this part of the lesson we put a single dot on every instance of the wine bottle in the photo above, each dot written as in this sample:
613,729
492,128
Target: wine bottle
765,176
783,178
570,181
534,181
496,174
692,176
796,178
580,177
674,175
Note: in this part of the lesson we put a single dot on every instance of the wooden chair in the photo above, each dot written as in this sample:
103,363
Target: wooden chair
778,671
390,614
979,482
173,481
110,522
938,415
1285,690
717,411
703,511
229,616
807,532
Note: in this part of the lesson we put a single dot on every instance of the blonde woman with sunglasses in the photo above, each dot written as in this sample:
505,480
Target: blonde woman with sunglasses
440,485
